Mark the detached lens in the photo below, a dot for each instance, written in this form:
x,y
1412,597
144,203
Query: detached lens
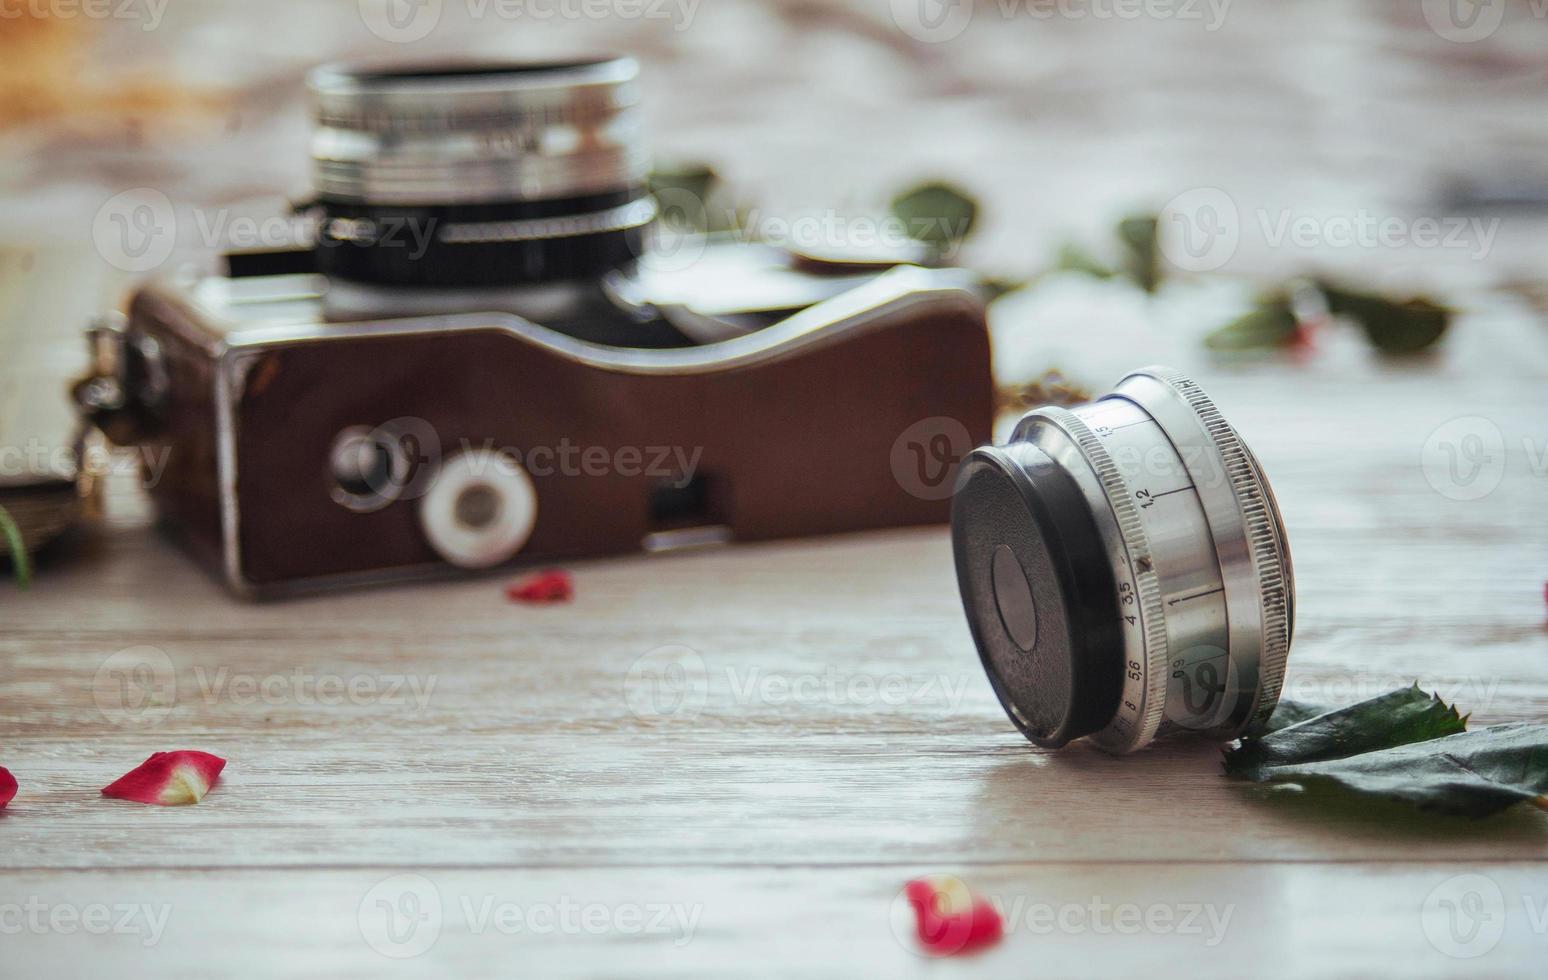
x,y
1125,570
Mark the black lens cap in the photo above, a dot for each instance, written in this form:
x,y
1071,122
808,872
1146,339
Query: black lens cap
x,y
1039,592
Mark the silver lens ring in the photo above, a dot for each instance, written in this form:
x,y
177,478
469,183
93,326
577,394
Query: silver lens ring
x,y
1143,510
461,134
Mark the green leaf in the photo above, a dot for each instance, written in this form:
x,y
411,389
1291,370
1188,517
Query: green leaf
x,y
1395,327
936,213
692,196
1398,718
17,548
1073,258
1407,745
1270,324
1473,774
1292,712
697,179
992,288
1142,260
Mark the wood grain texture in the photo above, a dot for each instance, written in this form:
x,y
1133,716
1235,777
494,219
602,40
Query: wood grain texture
x,y
844,740
434,740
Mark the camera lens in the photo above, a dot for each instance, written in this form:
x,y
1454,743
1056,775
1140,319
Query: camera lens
x,y
479,174
1125,571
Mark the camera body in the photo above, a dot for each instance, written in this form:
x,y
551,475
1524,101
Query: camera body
x,y
800,428
521,388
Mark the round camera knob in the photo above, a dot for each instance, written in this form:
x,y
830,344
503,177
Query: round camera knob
x,y
480,509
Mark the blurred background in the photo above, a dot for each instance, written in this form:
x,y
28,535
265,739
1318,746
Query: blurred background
x,y
1399,146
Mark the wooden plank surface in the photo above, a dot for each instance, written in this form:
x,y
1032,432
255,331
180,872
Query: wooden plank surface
x,y
574,809
843,739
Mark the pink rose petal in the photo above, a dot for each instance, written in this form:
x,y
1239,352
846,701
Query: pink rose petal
x,y
169,778
7,787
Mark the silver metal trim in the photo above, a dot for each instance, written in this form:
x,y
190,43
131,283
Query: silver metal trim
x,y
903,289
635,214
1245,539
460,135
1262,535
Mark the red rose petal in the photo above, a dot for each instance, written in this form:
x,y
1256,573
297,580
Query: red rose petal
x,y
950,920
169,778
554,585
7,787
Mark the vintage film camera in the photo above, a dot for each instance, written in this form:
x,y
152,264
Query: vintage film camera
x,y
470,363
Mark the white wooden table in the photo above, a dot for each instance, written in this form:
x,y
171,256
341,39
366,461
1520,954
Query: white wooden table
x,y
502,756
500,780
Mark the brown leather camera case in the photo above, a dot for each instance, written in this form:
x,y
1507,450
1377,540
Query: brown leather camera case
x,y
834,420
